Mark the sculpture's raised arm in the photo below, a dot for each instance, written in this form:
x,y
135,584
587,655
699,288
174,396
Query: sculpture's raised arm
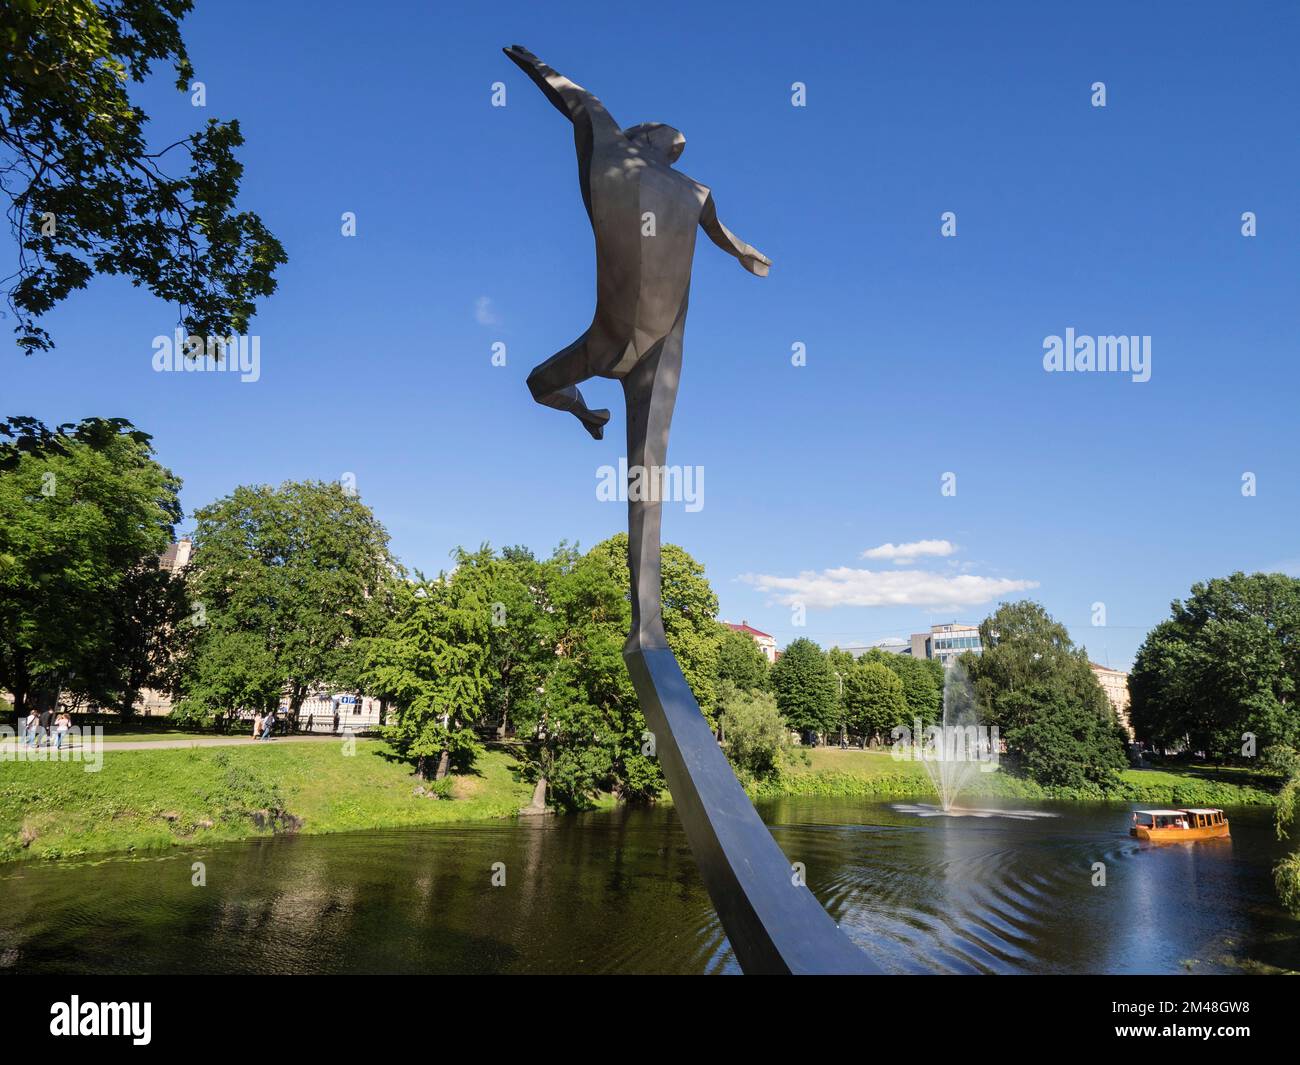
x,y
570,98
750,257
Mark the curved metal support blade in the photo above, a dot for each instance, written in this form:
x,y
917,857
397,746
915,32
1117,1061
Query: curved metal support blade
x,y
773,925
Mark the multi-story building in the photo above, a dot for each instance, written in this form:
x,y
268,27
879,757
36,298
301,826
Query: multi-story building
x,y
946,642
1114,682
152,703
177,555
766,642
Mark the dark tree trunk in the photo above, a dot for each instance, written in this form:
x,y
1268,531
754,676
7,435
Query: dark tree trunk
x,y
443,760
20,689
296,697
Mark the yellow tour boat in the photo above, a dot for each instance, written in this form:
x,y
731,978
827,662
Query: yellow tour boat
x,y
1178,826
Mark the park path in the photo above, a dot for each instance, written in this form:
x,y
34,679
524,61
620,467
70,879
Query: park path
x,y
197,741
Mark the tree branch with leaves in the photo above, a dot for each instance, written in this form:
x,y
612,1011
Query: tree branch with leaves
x,y
87,196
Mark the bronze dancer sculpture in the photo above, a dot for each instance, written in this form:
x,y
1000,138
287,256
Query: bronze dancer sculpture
x,y
644,215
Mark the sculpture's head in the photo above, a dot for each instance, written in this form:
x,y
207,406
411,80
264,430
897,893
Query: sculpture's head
x,y
660,140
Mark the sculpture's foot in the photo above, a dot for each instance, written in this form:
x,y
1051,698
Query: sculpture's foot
x,y
594,422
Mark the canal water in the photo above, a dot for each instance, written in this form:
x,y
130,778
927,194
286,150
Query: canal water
x,y
617,892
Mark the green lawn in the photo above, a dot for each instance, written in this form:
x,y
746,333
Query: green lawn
x,y
831,771
152,800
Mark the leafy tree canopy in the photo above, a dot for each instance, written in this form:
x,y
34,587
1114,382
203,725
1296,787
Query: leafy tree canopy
x,y
592,723
1224,664
755,733
84,512
301,572
1038,688
873,699
922,680
740,661
432,662
806,689
86,193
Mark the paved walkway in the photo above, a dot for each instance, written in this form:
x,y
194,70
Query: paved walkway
x,y
195,741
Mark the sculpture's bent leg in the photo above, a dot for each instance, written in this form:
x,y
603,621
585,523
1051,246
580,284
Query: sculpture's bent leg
x,y
553,384
774,925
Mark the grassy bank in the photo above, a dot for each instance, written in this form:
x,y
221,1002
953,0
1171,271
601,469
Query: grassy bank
x,y
151,800
829,771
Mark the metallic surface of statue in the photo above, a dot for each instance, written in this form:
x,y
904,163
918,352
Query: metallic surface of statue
x,y
645,215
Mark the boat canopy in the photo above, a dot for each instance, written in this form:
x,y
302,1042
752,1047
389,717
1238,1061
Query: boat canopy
x,y
1162,813
1203,810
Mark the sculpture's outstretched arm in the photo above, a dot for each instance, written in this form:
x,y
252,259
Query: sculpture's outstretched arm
x,y
750,257
571,99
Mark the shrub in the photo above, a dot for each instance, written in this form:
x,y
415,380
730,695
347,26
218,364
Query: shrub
x,y
754,734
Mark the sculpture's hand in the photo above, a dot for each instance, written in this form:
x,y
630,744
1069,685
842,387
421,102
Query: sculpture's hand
x,y
755,262
570,98
521,55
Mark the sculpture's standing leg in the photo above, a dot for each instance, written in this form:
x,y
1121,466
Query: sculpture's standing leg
x,y
651,391
554,383
773,922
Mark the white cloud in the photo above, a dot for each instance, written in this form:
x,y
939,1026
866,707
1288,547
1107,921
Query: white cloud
x,y
901,554
846,586
484,312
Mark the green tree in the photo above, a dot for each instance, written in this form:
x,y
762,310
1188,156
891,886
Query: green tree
x,y
806,690
873,699
1286,874
87,193
1226,663
740,661
431,662
756,735
922,680
292,578
516,587
1038,688
1059,744
83,510
590,733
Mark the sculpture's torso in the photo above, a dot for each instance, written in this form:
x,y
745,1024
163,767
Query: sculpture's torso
x,y
644,215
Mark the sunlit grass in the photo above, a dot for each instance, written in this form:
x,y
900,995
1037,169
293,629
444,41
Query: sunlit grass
x,y
152,800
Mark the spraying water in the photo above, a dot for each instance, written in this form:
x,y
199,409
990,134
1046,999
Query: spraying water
x,y
956,746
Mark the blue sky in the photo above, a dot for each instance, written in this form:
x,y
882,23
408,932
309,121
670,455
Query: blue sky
x,y
924,353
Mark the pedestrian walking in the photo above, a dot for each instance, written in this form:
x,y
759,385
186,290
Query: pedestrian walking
x,y
62,726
